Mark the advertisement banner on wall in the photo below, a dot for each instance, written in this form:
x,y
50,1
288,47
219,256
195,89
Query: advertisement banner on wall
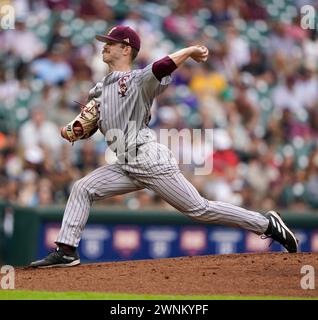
x,y
101,242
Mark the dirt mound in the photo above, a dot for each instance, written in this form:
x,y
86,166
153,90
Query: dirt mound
x,y
235,274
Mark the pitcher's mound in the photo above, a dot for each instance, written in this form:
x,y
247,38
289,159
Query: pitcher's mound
x,y
274,274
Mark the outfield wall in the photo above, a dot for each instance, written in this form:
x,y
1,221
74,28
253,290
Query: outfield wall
x,y
110,235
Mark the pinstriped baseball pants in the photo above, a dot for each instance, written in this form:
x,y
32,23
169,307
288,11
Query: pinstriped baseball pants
x,y
155,168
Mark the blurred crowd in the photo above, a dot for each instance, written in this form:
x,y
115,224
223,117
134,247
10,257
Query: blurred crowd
x,y
258,91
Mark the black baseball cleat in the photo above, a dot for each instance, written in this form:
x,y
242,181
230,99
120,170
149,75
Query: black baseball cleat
x,y
58,258
278,231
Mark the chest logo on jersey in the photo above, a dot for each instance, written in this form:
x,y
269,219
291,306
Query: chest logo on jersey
x,y
122,85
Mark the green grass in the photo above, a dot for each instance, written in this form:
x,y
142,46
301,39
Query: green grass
x,y
42,295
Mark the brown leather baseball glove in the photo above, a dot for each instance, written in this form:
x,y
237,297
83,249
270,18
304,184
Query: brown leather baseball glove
x,y
84,125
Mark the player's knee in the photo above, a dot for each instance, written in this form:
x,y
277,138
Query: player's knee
x,y
198,210
79,186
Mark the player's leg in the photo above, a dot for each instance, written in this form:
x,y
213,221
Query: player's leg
x,y
103,182
181,194
158,170
160,173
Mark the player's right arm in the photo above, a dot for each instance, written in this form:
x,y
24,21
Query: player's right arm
x,y
165,66
155,77
197,53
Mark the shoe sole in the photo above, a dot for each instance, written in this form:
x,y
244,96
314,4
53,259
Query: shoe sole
x,y
277,216
67,265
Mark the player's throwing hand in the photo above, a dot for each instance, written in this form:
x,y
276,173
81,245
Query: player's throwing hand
x,y
200,53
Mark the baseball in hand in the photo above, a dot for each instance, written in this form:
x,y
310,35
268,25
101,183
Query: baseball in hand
x,y
200,53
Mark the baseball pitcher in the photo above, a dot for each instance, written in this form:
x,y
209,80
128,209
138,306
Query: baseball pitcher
x,y
119,105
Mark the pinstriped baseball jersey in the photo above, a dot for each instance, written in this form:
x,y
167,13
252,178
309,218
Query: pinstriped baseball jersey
x,y
126,99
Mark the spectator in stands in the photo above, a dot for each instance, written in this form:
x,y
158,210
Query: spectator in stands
x,y
95,9
219,12
310,49
27,193
52,69
280,41
181,24
45,193
21,42
238,48
285,95
258,63
252,10
38,132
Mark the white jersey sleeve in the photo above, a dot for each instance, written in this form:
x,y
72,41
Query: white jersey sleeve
x,y
96,91
150,85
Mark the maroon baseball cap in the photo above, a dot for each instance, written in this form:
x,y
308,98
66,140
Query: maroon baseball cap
x,y
122,34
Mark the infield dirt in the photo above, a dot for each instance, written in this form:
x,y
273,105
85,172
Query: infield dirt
x,y
274,274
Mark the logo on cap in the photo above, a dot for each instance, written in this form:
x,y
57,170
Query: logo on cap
x,y
111,30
